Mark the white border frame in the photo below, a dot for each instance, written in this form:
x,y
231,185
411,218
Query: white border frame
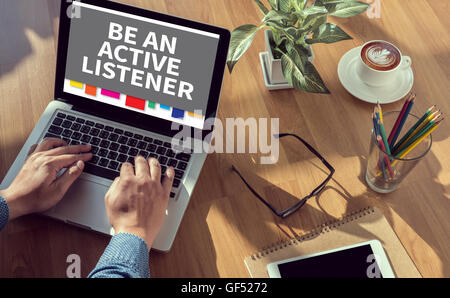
x,y
148,20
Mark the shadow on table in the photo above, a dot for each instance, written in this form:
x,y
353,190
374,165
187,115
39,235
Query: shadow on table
x,y
193,253
255,221
17,18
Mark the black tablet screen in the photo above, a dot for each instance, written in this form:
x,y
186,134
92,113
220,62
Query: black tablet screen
x,y
357,262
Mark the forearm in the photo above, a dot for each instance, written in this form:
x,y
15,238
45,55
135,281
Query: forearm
x,y
4,212
126,256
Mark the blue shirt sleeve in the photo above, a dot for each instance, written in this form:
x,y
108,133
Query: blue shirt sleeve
x,y
126,256
4,213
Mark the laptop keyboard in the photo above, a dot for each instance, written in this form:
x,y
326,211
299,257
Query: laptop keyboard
x,y
113,146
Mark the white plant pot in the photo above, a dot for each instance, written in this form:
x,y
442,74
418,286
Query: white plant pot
x,y
274,69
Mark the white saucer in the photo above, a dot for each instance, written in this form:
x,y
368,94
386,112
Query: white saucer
x,y
384,94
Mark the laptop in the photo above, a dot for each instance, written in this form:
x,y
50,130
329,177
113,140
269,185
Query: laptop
x,y
128,81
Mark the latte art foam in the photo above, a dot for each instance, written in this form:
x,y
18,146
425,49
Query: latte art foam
x,y
380,55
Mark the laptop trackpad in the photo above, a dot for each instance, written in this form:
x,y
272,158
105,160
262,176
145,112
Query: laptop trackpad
x,y
84,205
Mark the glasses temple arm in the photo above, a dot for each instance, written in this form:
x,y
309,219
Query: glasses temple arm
x,y
254,192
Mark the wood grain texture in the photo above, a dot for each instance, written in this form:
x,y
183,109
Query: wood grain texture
x,y
224,223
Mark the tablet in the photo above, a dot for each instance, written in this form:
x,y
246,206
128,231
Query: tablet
x,y
362,260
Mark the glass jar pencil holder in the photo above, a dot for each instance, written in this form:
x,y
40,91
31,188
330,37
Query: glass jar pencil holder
x,y
386,171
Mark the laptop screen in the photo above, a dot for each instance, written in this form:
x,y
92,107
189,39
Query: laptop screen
x,y
141,64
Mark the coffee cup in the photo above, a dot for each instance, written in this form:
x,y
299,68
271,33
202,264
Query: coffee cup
x,y
380,62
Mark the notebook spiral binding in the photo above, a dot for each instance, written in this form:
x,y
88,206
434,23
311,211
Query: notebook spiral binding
x,y
321,229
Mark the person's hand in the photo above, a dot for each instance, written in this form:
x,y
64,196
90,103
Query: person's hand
x,y
136,202
37,187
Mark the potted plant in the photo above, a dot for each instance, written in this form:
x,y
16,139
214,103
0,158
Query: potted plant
x,y
294,25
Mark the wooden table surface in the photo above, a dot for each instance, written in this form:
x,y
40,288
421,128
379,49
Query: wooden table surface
x,y
224,223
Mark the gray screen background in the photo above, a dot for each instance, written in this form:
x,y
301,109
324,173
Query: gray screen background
x,y
196,52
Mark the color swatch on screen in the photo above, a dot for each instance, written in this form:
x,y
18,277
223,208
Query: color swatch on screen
x,y
146,106
136,103
76,84
91,90
110,93
176,113
195,115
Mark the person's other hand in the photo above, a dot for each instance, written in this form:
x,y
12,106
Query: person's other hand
x,y
37,187
136,202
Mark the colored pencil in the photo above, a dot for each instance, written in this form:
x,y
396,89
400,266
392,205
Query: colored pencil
x,y
423,124
386,158
417,129
427,113
383,167
413,145
399,119
402,121
383,134
376,129
380,111
430,125
414,136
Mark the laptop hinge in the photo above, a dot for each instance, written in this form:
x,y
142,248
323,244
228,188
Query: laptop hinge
x,y
78,225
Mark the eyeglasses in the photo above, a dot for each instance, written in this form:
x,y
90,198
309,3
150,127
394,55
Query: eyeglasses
x,y
285,213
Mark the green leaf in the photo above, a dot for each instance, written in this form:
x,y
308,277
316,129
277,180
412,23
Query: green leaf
x,y
277,25
292,71
313,80
328,33
346,9
312,22
241,39
285,5
303,51
323,2
278,16
312,10
300,73
277,37
273,4
280,41
261,6
314,16
295,33
290,30
301,3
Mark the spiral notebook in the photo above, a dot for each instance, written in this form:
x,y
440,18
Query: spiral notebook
x,y
363,225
